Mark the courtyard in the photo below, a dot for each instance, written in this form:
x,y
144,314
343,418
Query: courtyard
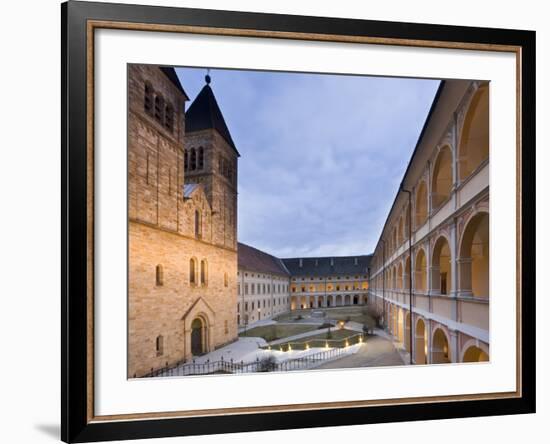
x,y
330,338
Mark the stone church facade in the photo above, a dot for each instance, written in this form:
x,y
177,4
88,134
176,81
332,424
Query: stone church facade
x,y
182,206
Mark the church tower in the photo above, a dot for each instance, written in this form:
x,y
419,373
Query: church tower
x,y
210,158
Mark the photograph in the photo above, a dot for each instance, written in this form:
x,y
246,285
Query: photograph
x,y
285,221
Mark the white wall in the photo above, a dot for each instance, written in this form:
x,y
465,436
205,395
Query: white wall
x,y
29,226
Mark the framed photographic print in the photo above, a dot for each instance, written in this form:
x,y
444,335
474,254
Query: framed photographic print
x,y
275,221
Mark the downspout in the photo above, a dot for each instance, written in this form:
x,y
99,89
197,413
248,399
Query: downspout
x,y
402,188
384,281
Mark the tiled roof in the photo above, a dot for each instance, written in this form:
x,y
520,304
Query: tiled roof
x,y
326,266
252,259
204,113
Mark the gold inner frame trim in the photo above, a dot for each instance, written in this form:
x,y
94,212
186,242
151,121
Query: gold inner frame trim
x,y
92,25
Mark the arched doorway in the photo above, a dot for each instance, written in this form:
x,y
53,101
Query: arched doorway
x,y
421,213
442,177
408,332
474,257
199,333
441,266
400,326
420,343
440,348
475,354
420,271
474,139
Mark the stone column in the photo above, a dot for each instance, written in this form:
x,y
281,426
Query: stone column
x,y
453,352
428,340
435,281
465,276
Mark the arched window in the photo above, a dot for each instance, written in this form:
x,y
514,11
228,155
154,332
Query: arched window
x,y
148,98
193,161
225,280
201,158
159,108
441,266
400,276
169,117
442,177
421,204
198,224
186,160
192,271
474,257
407,222
420,271
159,275
474,139
159,343
204,272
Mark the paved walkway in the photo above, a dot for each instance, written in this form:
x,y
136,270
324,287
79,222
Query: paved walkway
x,y
376,352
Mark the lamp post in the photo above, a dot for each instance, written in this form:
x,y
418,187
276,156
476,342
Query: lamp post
x,y
410,274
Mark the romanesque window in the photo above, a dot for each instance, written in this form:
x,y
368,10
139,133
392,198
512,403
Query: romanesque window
x,y
148,98
225,280
159,108
193,161
204,272
159,345
238,288
201,158
169,117
225,327
159,275
198,224
186,160
192,275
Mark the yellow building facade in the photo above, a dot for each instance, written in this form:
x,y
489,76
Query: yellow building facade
x,y
430,270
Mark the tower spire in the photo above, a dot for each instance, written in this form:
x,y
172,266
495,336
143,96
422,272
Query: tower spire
x,y
207,77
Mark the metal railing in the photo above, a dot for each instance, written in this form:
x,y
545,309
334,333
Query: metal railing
x,y
260,365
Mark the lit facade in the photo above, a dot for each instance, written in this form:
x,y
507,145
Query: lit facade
x,y
434,283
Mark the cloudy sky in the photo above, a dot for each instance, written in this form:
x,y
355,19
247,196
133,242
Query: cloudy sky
x,y
322,156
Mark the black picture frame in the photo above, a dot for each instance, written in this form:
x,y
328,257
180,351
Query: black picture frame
x,y
76,423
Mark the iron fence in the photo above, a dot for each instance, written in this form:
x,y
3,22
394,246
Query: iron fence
x,y
260,365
